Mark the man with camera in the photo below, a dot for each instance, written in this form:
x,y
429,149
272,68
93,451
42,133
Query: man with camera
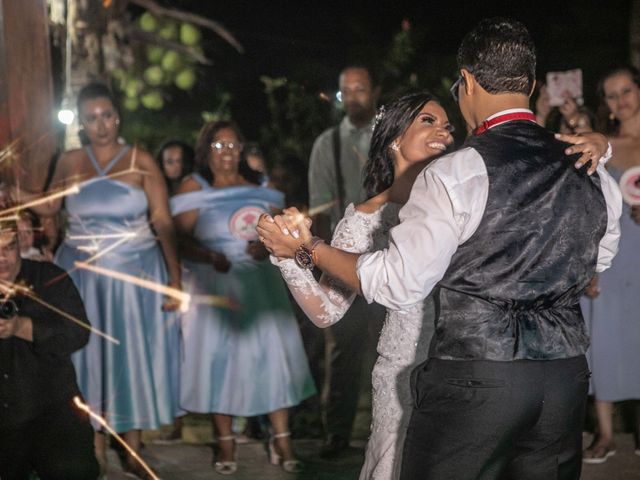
x,y
40,429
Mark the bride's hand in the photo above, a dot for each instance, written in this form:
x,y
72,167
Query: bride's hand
x,y
277,233
592,147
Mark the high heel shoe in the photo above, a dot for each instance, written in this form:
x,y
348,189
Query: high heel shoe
x,y
228,467
289,466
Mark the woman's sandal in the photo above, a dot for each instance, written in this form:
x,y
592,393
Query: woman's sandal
x,y
289,466
597,454
228,467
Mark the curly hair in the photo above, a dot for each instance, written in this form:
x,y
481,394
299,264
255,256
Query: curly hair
x,y
203,150
500,54
397,117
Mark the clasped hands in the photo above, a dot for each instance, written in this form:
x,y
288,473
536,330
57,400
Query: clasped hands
x,y
283,234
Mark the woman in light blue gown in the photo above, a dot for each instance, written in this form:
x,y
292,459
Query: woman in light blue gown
x,y
246,358
119,222
613,317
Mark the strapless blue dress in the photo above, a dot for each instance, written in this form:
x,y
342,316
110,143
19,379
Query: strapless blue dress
x,y
249,360
134,384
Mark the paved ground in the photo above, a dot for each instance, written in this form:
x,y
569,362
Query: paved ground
x,y
192,461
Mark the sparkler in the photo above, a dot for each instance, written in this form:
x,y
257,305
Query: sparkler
x,y
182,297
102,236
300,217
10,218
85,408
321,208
8,151
214,301
62,193
10,289
92,248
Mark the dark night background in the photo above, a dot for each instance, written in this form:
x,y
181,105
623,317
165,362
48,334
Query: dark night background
x,y
309,41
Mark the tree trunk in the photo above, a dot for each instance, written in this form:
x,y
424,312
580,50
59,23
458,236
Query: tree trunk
x,y
86,24
26,94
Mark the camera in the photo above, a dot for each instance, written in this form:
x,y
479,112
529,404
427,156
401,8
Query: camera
x,y
8,309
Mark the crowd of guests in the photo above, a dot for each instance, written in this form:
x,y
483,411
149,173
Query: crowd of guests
x,y
187,219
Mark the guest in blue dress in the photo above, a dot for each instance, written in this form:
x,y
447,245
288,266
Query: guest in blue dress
x,y
613,316
119,222
248,359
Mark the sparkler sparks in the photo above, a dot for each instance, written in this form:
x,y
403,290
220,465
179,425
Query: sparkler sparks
x,y
214,301
321,208
9,289
182,297
300,217
85,408
62,193
9,151
103,236
94,248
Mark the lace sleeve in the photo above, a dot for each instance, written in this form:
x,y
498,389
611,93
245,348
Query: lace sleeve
x,y
325,302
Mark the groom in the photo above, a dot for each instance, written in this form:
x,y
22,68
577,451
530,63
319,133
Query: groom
x,y
500,232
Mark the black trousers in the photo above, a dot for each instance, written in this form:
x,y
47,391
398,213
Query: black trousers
x,y
484,420
347,342
58,445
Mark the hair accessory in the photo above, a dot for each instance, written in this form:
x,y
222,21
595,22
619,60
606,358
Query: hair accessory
x,y
379,116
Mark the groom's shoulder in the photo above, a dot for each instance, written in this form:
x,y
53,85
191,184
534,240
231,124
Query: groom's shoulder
x,y
459,166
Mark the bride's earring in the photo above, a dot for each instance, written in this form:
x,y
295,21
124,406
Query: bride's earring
x,y
395,147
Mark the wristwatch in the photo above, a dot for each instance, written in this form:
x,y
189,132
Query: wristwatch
x,y
305,257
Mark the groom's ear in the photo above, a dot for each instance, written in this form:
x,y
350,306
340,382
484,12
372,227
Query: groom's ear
x,y
470,85
533,87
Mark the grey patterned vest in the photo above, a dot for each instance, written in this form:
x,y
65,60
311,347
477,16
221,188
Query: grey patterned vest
x,y
512,290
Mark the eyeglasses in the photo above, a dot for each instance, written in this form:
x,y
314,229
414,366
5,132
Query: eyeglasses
x,y
454,88
219,146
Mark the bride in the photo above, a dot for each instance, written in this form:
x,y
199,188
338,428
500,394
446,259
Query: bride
x,y
411,132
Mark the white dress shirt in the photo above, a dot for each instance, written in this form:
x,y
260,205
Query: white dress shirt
x,y
445,207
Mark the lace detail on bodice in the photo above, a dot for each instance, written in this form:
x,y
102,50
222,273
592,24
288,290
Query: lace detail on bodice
x,y
326,302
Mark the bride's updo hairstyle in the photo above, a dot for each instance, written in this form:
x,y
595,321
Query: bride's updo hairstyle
x,y
390,123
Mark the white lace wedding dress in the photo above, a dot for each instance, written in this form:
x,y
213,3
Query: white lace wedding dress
x,y
404,340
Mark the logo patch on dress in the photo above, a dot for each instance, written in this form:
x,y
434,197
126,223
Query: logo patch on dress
x,y
243,222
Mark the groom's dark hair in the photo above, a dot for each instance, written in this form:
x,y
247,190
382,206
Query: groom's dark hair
x,y
500,54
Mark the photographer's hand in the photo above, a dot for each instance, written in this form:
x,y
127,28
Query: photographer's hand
x,y
20,327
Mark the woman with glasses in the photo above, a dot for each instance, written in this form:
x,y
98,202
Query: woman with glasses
x,y
243,354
